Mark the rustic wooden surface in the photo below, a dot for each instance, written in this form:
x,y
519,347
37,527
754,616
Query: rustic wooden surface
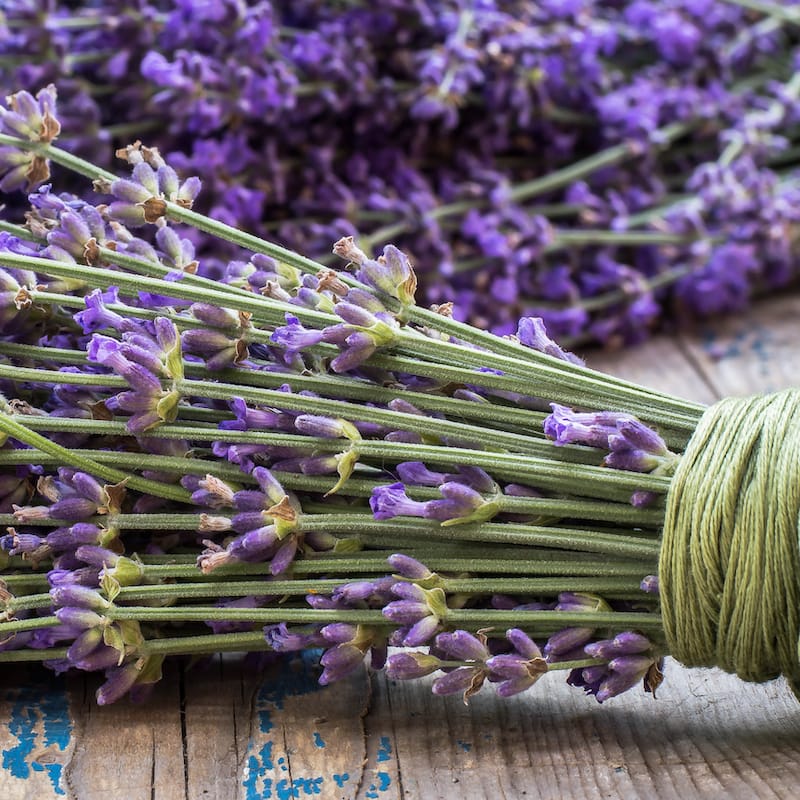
x,y
230,731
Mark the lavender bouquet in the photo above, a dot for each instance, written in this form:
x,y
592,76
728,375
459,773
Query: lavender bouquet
x,y
292,457
606,165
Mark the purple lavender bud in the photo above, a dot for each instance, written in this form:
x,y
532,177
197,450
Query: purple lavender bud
x,y
339,632
406,612
523,644
76,595
355,591
85,644
649,584
339,662
102,657
476,479
422,631
283,640
462,646
629,642
459,680
84,576
392,501
20,543
119,680
464,496
409,591
409,567
625,672
567,640
391,274
407,666
87,486
417,474
79,617
359,347
213,315
631,460
284,556
595,674
635,435
294,338
96,556
326,427
73,509
532,333
355,315
505,666
566,426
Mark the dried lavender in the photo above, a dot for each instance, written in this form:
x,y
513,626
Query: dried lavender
x,y
306,458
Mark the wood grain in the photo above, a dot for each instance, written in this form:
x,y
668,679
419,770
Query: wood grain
x,y
224,730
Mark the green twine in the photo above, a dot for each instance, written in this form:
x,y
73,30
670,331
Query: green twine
x,y
729,569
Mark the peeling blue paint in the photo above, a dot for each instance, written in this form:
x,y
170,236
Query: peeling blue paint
x,y
465,746
384,749
318,740
340,780
39,720
384,781
299,677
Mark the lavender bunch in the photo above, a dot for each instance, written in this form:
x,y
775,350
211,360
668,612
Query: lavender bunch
x,y
608,167
294,457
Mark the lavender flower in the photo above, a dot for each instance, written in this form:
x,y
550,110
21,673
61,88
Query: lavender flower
x,y
32,119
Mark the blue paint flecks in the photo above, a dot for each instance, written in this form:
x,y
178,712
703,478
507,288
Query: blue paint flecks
x,y
384,781
39,720
318,740
340,780
384,749
298,678
465,746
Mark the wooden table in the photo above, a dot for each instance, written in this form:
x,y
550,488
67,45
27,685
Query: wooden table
x,y
228,730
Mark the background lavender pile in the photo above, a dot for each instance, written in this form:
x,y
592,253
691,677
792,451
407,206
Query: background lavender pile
x,y
605,165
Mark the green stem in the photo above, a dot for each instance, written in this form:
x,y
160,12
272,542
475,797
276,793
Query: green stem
x,y
66,456
621,543
575,479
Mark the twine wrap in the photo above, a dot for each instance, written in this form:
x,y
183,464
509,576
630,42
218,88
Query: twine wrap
x,y
729,569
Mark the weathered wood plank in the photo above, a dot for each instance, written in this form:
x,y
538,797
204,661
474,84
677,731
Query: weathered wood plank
x,y
305,739
127,750
758,352
217,716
